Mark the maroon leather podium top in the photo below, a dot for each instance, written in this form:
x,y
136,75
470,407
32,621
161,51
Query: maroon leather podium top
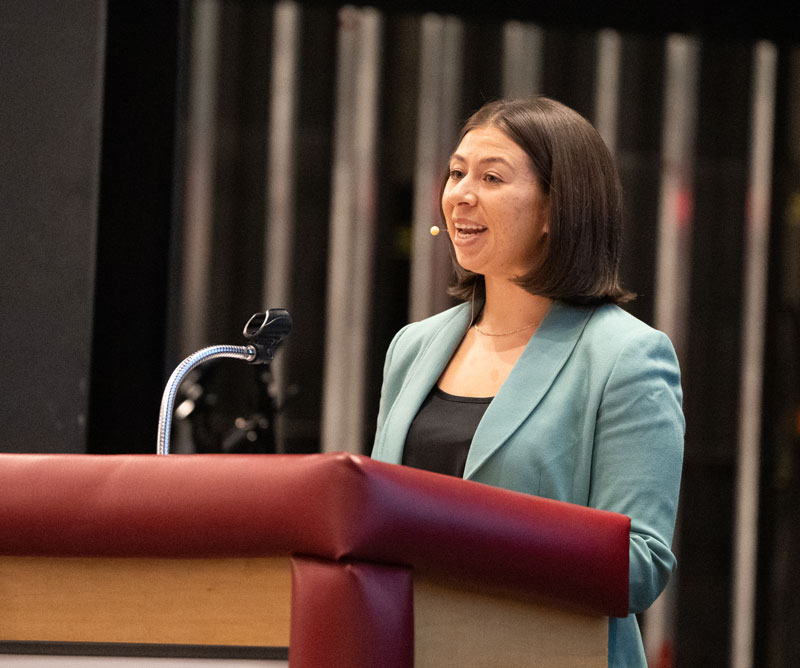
x,y
333,506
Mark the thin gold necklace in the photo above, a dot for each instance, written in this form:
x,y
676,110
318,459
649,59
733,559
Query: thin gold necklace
x,y
513,331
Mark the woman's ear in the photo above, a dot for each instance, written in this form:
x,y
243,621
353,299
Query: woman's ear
x,y
545,216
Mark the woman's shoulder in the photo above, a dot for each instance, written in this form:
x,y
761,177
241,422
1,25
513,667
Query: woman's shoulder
x,y
611,331
416,333
612,321
617,338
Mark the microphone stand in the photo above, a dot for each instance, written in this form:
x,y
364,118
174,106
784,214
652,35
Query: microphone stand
x,y
264,330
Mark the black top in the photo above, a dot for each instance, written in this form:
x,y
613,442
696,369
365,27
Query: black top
x,y
438,439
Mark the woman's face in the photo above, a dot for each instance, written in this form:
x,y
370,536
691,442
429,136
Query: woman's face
x,y
495,210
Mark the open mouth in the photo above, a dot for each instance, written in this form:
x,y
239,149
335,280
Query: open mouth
x,y
466,231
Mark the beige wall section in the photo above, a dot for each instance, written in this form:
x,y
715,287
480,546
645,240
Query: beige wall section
x,y
454,628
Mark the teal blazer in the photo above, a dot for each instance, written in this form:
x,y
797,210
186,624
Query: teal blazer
x,y
590,414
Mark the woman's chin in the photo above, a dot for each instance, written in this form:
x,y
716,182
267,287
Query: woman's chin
x,y
469,262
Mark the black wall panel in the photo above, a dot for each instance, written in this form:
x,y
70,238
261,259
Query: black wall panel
x,y
134,226
51,74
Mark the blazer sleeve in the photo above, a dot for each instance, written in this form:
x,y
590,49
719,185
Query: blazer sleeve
x,y
390,388
638,455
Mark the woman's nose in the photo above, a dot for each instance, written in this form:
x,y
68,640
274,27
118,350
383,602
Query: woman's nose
x,y
462,192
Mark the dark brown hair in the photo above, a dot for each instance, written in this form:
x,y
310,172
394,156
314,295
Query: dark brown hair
x,y
579,260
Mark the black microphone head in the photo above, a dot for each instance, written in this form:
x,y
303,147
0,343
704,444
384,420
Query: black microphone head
x,y
265,331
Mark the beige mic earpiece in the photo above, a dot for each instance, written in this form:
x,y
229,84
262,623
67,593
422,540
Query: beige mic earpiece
x,y
435,230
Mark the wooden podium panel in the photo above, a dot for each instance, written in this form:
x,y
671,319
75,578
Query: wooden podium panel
x,y
247,602
232,601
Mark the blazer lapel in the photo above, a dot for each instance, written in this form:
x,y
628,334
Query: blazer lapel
x,y
419,380
529,380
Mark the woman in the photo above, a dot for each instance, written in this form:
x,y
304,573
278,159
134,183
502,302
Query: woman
x,y
539,382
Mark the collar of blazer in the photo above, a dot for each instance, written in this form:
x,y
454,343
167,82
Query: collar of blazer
x,y
529,380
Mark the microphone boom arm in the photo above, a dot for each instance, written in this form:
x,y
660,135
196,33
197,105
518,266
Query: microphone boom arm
x,y
265,330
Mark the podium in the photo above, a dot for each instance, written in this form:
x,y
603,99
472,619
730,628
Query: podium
x,y
334,560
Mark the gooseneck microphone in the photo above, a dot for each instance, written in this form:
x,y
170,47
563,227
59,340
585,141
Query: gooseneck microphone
x,y
265,331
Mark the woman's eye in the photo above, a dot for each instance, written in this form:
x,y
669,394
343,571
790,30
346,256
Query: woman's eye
x,y
456,174
493,178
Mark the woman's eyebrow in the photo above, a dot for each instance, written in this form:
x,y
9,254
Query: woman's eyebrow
x,y
488,159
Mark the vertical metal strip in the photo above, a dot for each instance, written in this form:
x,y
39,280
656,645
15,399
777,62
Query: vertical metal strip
x,y
674,251
352,229
437,118
201,154
523,44
280,191
607,82
198,223
281,153
675,207
753,325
